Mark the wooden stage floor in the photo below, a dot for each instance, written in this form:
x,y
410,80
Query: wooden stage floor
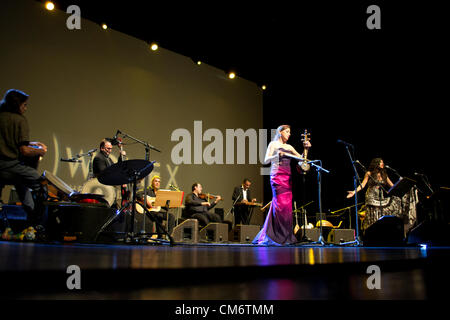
x,y
220,272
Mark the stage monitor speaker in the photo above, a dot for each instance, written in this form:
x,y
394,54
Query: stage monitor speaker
x,y
387,231
432,233
214,232
187,231
243,233
80,222
311,234
337,236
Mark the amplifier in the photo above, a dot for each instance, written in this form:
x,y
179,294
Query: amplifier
x,y
187,231
214,232
337,236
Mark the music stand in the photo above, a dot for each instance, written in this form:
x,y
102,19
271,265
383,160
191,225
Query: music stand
x,y
123,173
401,187
169,199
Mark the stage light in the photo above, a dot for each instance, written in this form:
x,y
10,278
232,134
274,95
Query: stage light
x,y
264,87
104,26
199,62
154,46
49,6
232,75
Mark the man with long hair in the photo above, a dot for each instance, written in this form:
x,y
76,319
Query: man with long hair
x,y
15,148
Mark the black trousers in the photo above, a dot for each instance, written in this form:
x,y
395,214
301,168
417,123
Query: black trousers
x,y
242,214
162,216
27,182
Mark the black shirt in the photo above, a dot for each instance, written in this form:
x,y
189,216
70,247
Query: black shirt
x,y
193,204
14,132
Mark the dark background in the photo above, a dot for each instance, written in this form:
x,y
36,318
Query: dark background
x,y
384,91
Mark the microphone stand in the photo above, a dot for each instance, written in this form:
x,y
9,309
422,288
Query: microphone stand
x,y
232,209
147,158
319,169
356,183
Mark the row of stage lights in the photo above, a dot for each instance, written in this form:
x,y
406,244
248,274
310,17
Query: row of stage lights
x,y
153,46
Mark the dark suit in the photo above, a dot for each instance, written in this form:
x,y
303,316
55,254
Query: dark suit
x,y
195,210
241,212
100,163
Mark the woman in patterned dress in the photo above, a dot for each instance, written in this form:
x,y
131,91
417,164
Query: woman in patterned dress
x,y
377,204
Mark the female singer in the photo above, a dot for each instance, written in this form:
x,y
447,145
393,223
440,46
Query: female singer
x,y
377,205
278,229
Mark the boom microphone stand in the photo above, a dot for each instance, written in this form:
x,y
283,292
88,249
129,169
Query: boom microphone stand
x,y
147,158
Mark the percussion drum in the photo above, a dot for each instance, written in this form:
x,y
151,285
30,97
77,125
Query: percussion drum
x,y
57,188
111,193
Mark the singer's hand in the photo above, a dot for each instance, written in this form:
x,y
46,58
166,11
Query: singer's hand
x,y
350,194
307,144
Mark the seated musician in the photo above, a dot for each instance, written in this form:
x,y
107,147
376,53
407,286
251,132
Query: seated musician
x,y
102,160
197,207
15,146
156,211
241,198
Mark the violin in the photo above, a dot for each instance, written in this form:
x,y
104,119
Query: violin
x,y
207,196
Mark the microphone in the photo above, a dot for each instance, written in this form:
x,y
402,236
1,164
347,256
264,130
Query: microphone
x,y
115,140
357,161
70,160
345,143
395,171
419,174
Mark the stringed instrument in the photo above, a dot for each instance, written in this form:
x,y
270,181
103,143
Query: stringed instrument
x,y
249,203
140,207
297,227
304,166
207,196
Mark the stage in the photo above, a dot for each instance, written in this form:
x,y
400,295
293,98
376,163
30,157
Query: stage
x,y
221,272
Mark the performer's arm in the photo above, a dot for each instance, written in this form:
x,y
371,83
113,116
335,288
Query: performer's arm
x,y
28,151
360,187
389,182
271,153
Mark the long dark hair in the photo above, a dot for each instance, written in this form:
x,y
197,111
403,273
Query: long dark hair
x,y
12,101
374,169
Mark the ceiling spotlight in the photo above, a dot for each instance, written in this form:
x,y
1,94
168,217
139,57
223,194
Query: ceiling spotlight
x,y
104,26
232,75
154,46
49,5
